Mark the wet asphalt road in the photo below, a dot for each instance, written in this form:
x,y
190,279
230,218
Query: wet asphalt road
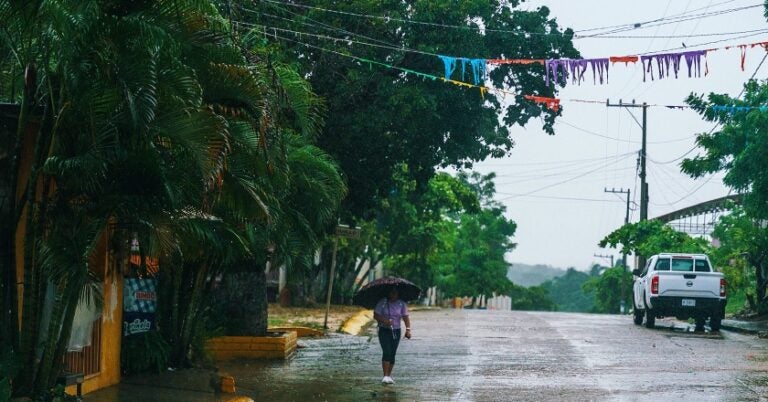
x,y
476,355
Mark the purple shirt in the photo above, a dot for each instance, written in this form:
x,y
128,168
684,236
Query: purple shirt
x,y
395,311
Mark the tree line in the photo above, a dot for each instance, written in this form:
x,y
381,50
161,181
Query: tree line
x,y
188,138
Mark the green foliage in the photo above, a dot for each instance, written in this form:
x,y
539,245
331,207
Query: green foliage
x,y
743,255
609,289
144,352
9,366
567,293
534,298
381,118
156,117
647,238
454,235
737,148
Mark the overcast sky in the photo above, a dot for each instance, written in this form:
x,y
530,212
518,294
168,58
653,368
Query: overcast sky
x,y
566,232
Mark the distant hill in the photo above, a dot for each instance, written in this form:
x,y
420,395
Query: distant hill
x,y
532,275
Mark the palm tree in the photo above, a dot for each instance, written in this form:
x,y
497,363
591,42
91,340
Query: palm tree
x,y
151,115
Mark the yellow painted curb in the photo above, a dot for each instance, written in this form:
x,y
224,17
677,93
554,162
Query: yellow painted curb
x,y
353,325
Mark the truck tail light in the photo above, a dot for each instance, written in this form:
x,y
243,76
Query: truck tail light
x,y
722,287
655,285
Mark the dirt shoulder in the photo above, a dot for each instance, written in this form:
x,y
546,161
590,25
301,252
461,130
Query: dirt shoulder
x,y
310,317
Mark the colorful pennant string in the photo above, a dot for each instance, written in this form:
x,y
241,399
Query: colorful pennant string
x,y
477,66
669,63
551,103
659,65
623,59
732,109
559,69
515,61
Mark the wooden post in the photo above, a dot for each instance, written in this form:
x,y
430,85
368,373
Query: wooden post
x,y
330,281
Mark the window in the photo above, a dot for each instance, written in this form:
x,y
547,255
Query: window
x,y
662,264
682,264
702,266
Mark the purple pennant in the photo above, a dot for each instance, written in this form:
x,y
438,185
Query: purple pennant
x,y
669,63
575,68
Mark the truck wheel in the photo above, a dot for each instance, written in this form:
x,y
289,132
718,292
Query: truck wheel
x,y
650,318
638,316
714,323
700,324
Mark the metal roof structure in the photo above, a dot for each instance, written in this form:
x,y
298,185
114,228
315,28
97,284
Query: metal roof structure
x,y
715,205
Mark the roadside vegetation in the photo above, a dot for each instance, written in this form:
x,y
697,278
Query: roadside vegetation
x,y
199,144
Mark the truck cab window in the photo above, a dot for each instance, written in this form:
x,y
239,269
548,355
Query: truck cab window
x,y
702,266
662,264
682,265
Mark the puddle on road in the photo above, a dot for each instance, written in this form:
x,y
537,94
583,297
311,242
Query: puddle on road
x,y
685,330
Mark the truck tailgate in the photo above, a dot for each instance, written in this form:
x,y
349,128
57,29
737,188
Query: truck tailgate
x,y
689,284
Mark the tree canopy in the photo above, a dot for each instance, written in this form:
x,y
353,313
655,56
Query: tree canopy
x,y
651,237
381,118
738,147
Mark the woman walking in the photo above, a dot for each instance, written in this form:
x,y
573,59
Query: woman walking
x,y
388,313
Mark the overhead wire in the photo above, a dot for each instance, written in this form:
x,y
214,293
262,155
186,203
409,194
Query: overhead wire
x,y
543,177
560,182
655,20
566,198
620,28
565,165
676,20
391,46
584,130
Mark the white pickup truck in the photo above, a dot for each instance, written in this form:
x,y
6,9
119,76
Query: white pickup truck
x,y
679,285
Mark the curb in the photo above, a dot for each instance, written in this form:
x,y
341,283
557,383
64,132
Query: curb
x,y
353,325
739,329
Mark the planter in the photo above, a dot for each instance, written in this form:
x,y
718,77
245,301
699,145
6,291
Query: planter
x,y
277,345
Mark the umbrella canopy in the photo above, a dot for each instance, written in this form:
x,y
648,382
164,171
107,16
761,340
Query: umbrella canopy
x,y
371,293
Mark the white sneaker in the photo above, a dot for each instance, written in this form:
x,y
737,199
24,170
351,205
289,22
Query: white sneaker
x,y
387,380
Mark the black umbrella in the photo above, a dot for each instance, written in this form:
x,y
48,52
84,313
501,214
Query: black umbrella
x,y
371,293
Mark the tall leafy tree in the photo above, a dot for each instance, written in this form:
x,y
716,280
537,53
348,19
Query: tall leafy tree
x,y
156,117
381,118
647,238
743,239
738,147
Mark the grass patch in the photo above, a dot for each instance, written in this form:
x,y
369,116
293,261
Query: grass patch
x,y
736,302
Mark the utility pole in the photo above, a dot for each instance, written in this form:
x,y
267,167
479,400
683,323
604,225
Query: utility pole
x,y
643,154
626,216
341,231
605,256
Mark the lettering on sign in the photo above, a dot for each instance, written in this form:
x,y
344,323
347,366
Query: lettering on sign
x,y
348,232
137,326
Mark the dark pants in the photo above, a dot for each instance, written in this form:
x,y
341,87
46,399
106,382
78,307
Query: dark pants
x,y
389,339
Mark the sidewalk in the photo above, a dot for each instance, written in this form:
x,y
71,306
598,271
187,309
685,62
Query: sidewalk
x,y
759,326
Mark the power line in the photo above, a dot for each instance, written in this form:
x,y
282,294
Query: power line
x,y
620,139
691,35
540,178
657,19
265,29
674,20
486,29
560,182
558,198
551,162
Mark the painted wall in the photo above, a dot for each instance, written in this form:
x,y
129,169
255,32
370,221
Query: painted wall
x,y
111,329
